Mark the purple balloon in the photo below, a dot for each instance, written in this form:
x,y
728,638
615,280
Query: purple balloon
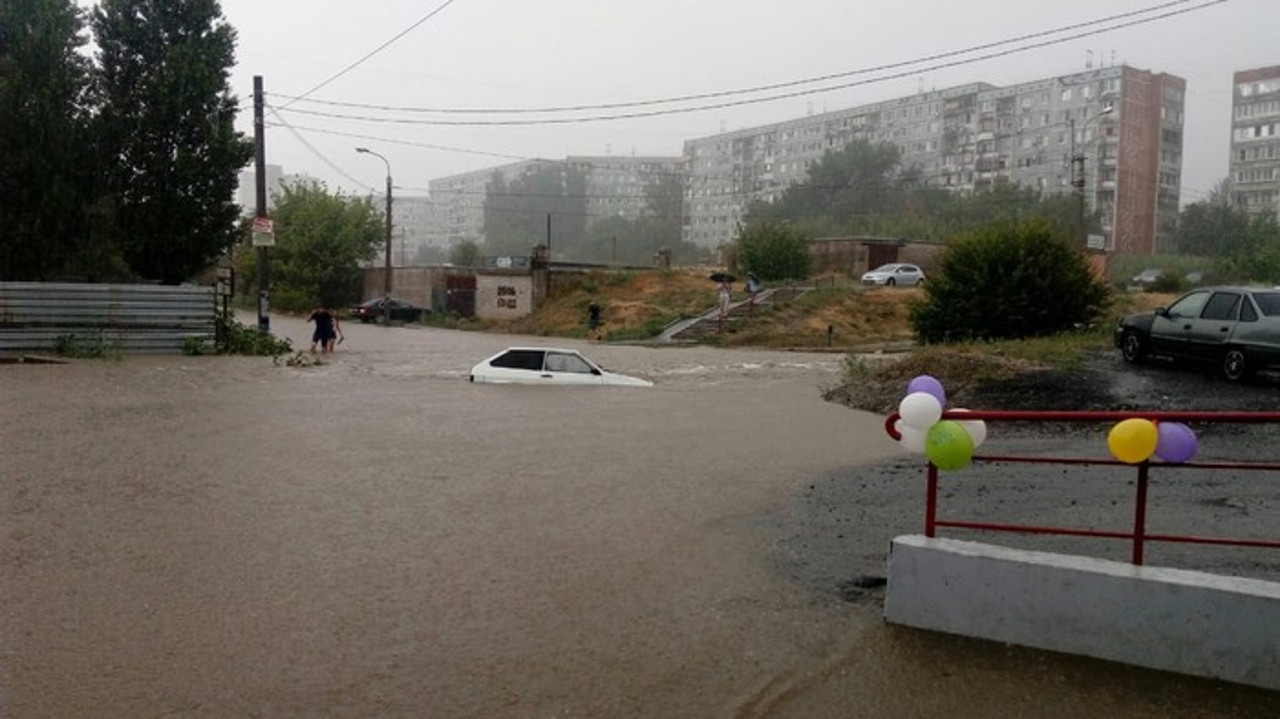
x,y
925,383
1175,442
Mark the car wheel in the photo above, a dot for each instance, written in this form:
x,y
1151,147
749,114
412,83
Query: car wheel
x,y
1235,365
1133,347
889,282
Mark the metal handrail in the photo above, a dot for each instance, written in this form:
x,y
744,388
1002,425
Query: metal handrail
x,y
1139,536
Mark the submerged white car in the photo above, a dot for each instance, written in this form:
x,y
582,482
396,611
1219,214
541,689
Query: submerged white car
x,y
548,365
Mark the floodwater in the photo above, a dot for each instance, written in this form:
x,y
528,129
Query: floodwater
x,y
377,537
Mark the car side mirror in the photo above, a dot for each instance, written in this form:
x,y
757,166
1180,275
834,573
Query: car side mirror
x,y
595,371
1162,312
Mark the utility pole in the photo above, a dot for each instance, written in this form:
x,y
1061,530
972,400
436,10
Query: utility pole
x,y
548,237
260,211
1077,187
386,268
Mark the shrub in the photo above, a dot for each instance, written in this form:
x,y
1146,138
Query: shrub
x,y
235,338
1009,282
774,252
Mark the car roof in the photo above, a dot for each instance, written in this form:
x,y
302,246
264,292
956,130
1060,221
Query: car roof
x,y
540,349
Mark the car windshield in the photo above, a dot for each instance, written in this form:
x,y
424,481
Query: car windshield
x,y
1268,302
885,268
566,362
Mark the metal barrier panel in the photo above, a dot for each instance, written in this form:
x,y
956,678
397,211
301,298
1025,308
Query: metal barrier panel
x,y
130,319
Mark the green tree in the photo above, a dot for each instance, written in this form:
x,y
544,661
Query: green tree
x,y
465,254
1211,227
844,188
773,252
170,152
43,180
515,212
1009,281
321,238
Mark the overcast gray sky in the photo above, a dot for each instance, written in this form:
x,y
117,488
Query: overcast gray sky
x,y
551,53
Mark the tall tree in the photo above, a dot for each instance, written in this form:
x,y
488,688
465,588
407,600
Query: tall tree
x,y
321,237
166,129
42,180
515,212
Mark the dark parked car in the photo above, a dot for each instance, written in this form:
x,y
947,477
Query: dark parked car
x,y
1235,328
372,311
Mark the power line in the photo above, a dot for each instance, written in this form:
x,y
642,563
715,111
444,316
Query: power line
x,y
372,52
751,90
771,98
317,153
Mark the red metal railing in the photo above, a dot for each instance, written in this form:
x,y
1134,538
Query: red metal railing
x,y
1139,536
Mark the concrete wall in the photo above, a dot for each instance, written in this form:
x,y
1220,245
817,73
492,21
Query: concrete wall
x,y
504,296
411,283
1170,619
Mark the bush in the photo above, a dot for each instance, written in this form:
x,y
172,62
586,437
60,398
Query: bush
x,y
1169,282
235,338
1009,282
774,252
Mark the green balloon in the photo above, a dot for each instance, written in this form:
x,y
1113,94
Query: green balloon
x,y
948,446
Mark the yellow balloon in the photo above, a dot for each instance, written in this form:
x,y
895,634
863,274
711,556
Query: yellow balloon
x,y
1133,440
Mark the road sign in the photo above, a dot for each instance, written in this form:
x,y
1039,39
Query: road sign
x,y
264,229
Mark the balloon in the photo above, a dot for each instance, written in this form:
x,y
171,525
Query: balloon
x,y
925,383
948,446
1175,442
976,428
912,439
920,410
1133,440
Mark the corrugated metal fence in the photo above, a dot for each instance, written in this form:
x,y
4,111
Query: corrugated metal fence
x,y
36,316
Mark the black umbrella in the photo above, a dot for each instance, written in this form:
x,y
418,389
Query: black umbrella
x,y
722,277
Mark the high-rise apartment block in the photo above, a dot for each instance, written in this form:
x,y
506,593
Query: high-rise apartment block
x,y
1126,123
1254,176
614,186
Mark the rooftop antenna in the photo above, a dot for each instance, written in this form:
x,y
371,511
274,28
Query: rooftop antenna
x,y
1088,59
919,85
1113,58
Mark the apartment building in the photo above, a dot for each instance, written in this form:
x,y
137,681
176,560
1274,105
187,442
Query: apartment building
x,y
1125,122
1254,176
614,186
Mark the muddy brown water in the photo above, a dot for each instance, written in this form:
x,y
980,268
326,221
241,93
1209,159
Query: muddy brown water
x,y
377,537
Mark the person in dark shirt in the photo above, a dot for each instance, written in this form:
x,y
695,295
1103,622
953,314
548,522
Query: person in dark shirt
x,y
593,321
324,331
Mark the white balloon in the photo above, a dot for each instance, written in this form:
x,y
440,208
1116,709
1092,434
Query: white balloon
x,y
975,428
912,439
920,410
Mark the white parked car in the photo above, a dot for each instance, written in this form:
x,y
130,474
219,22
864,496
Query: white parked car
x,y
548,365
893,274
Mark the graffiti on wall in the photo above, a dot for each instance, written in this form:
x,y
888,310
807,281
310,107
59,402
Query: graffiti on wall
x,y
506,297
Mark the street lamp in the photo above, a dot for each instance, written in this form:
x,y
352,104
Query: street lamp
x,y
386,271
1077,173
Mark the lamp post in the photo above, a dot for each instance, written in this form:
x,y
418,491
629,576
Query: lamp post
x,y
386,270
1077,174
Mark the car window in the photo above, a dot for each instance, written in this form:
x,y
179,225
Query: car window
x,y
1221,306
565,362
1248,313
1189,306
519,359
1268,302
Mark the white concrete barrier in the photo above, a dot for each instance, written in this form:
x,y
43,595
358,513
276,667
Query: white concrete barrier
x,y
1181,621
